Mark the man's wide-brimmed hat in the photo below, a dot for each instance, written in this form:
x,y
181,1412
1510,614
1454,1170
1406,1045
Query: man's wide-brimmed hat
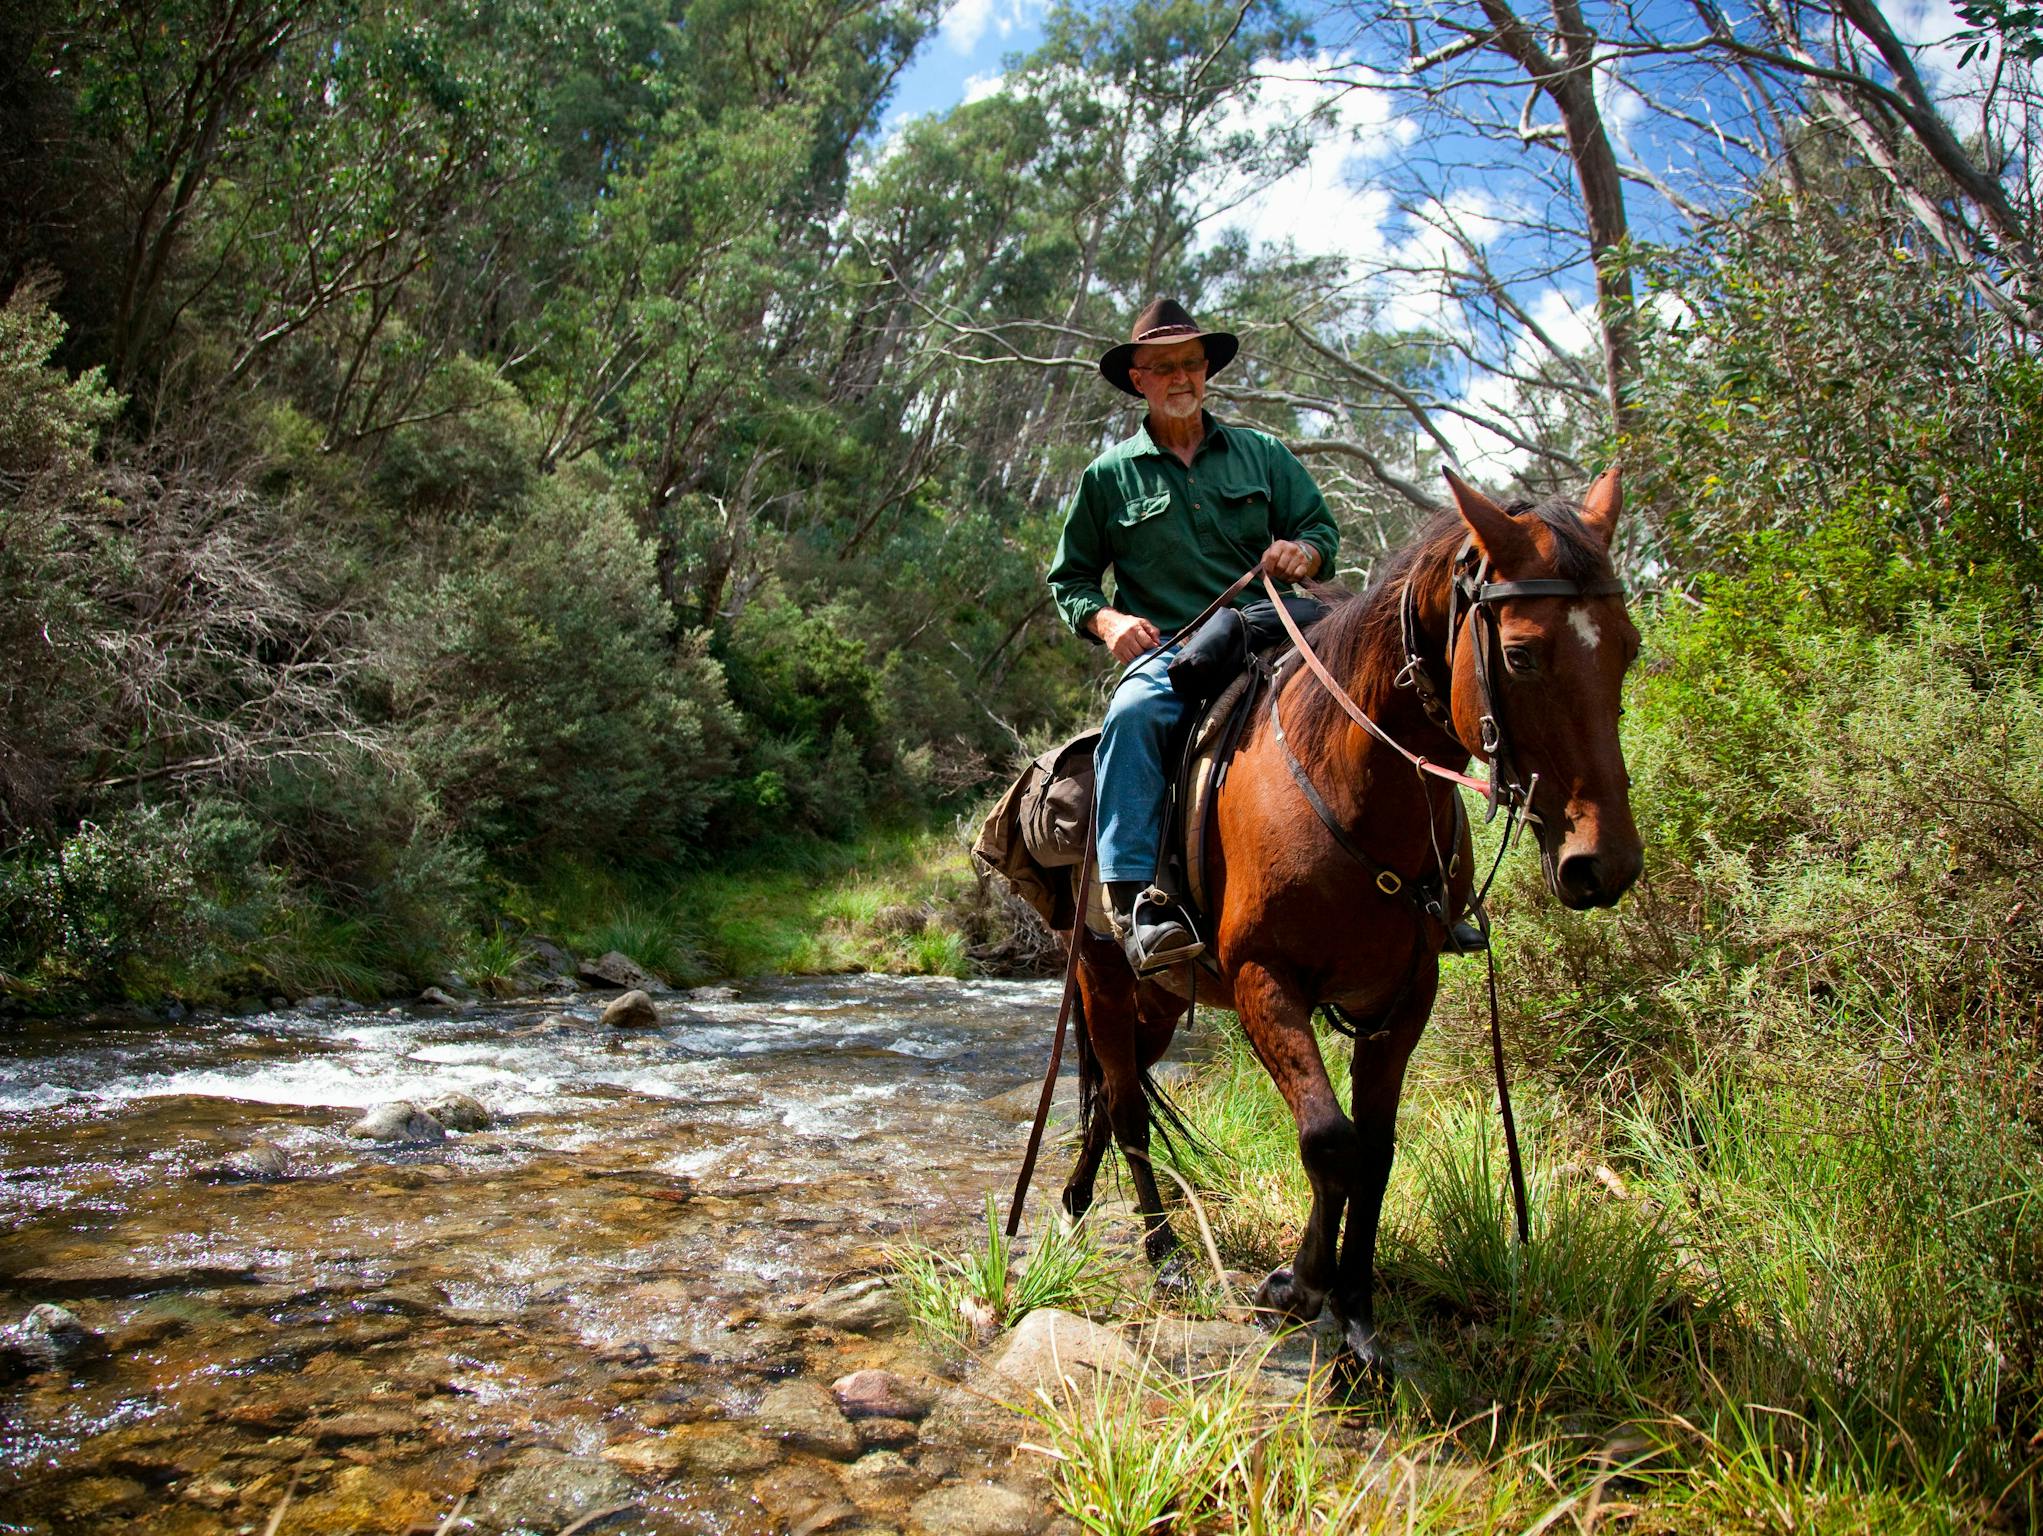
x,y
1163,323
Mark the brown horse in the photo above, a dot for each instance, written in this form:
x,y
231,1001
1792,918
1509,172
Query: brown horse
x,y
1511,615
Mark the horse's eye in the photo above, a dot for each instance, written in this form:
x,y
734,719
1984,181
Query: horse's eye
x,y
1520,659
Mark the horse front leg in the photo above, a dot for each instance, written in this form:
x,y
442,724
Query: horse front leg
x,y
1278,1022
1377,1082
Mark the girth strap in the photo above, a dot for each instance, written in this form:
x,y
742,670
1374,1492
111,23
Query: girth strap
x,y
1424,897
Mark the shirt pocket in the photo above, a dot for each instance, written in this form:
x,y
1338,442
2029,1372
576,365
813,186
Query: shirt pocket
x,y
1140,523
1243,512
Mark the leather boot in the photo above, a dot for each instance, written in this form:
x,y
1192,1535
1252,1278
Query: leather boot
x,y
1150,927
1464,938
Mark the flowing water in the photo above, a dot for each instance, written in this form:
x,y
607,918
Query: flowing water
x,y
583,1305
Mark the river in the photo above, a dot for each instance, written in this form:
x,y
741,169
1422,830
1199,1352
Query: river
x,y
584,1304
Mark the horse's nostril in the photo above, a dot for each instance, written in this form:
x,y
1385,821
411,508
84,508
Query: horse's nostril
x,y
1581,877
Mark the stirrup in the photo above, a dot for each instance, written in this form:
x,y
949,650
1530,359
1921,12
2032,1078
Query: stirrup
x,y
1156,934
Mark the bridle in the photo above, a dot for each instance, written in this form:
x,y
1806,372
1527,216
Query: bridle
x,y
1470,594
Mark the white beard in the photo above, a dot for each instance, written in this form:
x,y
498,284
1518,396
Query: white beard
x,y
1178,407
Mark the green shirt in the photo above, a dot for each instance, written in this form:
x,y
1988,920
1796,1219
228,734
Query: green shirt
x,y
1176,535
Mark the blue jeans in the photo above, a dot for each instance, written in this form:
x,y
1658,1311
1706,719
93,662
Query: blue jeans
x,y
1129,777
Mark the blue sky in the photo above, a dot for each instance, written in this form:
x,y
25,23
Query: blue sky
x,y
974,37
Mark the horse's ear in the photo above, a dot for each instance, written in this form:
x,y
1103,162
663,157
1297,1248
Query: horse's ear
x,y
1497,531
1601,505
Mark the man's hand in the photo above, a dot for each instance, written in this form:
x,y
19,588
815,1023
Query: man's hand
x,y
1124,634
1288,560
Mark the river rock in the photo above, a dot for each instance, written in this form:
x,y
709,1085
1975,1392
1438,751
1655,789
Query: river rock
x,y
874,1394
864,1306
634,1010
399,1121
803,1415
48,1338
548,1493
883,1474
457,1111
975,1509
718,1450
618,970
886,1434
438,997
1051,1345
550,957
363,1424
712,994
258,1162
1020,1103
804,1498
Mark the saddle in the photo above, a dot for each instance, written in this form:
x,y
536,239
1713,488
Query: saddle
x,y
1035,836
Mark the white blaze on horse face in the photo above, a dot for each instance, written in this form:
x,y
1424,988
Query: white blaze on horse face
x,y
1583,623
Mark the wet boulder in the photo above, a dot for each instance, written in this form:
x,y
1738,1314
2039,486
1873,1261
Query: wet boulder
x,y
550,958
402,1121
634,1010
618,970
549,1492
1050,1345
258,1162
875,1394
864,1306
48,1338
457,1111
803,1415
976,1509
439,997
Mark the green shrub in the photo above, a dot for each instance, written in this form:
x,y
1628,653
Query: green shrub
x,y
546,700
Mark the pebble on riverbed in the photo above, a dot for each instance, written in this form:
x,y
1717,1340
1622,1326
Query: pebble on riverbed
x,y
258,1162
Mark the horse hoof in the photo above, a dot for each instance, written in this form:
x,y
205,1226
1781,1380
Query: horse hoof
x,y
1280,1298
1161,1243
1364,1362
1177,1275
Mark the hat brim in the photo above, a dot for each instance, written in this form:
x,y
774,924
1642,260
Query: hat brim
x,y
1220,349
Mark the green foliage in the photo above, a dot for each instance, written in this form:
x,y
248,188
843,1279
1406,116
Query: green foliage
x,y
543,695
956,1298
1807,365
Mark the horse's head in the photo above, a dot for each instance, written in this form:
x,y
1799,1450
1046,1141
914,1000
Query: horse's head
x,y
1555,665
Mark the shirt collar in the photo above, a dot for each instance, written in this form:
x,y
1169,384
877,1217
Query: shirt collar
x,y
1214,438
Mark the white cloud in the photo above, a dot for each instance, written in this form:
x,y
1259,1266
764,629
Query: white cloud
x,y
979,87
1322,207
966,22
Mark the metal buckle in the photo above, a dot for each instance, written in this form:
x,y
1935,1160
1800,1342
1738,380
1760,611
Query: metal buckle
x,y
1388,883
1491,735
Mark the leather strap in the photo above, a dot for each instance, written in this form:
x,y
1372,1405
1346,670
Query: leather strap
x,y
1084,893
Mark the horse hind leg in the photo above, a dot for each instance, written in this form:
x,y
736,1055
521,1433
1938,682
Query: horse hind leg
x,y
1122,1044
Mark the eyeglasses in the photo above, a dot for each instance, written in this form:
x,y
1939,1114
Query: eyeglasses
x,y
1189,368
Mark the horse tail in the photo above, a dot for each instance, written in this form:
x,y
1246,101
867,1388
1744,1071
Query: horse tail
x,y
1089,1076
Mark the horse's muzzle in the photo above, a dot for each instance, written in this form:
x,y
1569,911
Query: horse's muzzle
x,y
1598,878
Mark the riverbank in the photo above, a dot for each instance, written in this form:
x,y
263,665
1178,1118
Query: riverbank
x,y
900,899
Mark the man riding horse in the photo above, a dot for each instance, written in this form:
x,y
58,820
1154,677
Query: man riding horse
x,y
1178,511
